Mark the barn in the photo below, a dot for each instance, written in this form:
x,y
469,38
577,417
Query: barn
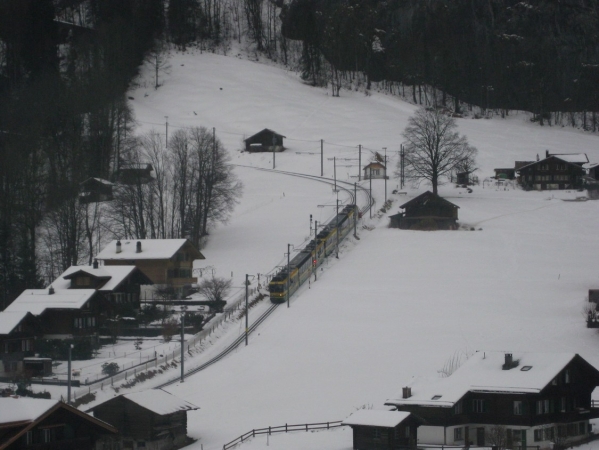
x,y
428,211
265,141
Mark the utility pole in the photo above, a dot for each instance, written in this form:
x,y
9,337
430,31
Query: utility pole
x,y
355,209
335,172
385,148
166,117
182,344
360,162
402,155
69,376
274,141
337,226
322,157
288,272
311,226
315,237
246,308
371,194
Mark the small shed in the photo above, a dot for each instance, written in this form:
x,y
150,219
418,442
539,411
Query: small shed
x,y
428,211
505,173
382,430
37,367
134,173
375,170
265,141
152,419
95,190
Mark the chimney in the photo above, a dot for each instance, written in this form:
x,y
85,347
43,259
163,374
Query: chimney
x,y
406,392
95,263
51,290
509,362
118,247
546,153
138,247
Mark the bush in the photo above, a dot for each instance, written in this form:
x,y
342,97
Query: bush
x,y
110,369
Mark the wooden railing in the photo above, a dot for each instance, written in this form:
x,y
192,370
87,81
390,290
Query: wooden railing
x,y
282,429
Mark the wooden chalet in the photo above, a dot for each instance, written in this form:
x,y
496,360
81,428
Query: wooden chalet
x,y
95,190
265,141
375,170
118,286
42,424
163,261
536,399
428,211
383,430
134,173
505,173
18,330
62,313
148,419
555,171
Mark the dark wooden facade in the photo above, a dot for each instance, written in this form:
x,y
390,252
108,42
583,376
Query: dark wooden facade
x,y
428,211
137,424
403,436
265,141
551,173
134,174
60,427
176,271
18,344
94,190
508,173
564,408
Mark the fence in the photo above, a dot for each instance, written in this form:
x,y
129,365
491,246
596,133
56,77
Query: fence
x,y
282,429
234,307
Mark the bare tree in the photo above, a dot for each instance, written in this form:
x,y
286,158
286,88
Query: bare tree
x,y
433,148
497,436
158,59
215,289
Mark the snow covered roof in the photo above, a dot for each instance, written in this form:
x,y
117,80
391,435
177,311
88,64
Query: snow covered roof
x,y
36,301
23,409
114,274
376,418
483,372
160,402
374,164
150,249
575,158
9,320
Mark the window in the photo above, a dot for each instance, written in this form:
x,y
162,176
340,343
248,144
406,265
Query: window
x,y
46,435
407,432
563,404
436,397
582,429
518,408
458,434
567,376
479,406
543,407
29,437
458,408
82,281
538,435
376,433
544,167
549,433
560,167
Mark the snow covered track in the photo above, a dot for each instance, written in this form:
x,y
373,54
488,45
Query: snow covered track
x,y
227,350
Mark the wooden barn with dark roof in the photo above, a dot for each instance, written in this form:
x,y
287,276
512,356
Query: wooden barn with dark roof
x,y
265,141
428,211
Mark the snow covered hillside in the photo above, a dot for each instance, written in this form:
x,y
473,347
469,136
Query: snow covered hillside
x,y
398,303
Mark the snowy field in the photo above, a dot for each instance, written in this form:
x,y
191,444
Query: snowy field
x,y
397,304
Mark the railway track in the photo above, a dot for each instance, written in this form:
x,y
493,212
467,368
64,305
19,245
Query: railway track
x,y
343,185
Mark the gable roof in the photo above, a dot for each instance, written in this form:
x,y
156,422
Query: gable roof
x,y
115,275
265,130
9,320
575,158
150,249
423,198
483,372
36,301
374,164
376,418
559,157
158,401
27,412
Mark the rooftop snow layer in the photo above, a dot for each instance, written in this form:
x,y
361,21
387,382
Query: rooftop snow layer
x,y
36,301
376,418
160,402
22,409
483,373
116,275
10,319
150,249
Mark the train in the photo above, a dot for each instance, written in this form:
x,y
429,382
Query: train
x,y
288,280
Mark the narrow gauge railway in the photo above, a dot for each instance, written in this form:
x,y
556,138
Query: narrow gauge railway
x,y
284,284
314,244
